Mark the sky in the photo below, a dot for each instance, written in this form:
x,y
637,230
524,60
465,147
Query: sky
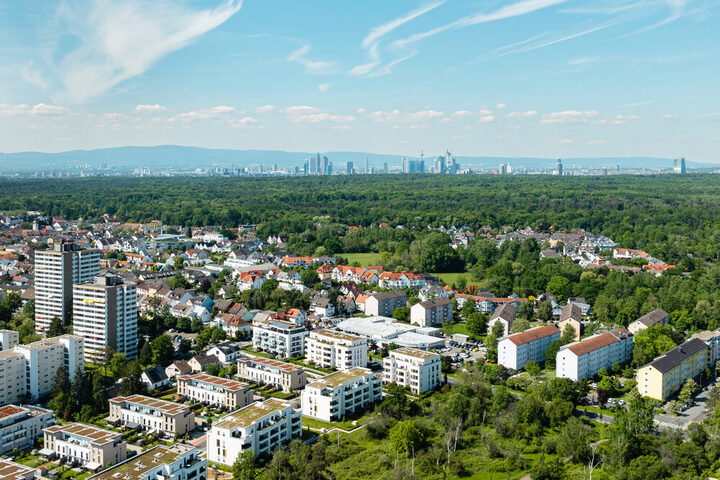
x,y
541,78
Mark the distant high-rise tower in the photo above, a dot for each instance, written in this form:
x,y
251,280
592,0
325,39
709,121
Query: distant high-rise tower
x,y
558,167
324,166
405,166
349,168
367,165
385,167
503,169
680,165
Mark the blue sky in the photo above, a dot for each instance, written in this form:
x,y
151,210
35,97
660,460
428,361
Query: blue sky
x,y
547,78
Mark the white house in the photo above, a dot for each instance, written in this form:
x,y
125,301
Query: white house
x,y
580,360
417,369
282,338
226,352
656,317
514,351
505,314
334,349
341,393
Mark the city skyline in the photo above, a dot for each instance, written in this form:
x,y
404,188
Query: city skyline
x,y
547,78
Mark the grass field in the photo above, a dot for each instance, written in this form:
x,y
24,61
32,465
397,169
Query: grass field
x,y
455,328
363,259
454,278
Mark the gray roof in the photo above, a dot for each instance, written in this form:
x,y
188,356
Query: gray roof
x,y
677,355
156,374
388,295
505,311
653,318
435,302
571,311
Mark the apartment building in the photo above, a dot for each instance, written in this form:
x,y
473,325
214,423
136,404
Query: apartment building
x,y
417,369
44,357
383,303
332,397
432,312
105,313
282,338
14,471
90,447
514,351
712,340
504,314
666,374
260,428
169,418
13,377
266,371
56,271
216,391
334,349
571,316
656,317
584,359
176,462
8,339
21,426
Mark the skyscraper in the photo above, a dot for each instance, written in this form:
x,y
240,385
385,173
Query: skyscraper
x,y
367,166
558,167
405,166
324,166
105,313
385,167
56,271
349,168
680,165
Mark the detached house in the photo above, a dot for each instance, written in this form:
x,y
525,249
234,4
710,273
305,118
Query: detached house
x,y
656,317
504,315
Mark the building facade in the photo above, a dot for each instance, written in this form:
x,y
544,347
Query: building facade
x,y
416,369
13,381
8,339
216,391
266,371
334,349
383,303
56,271
332,397
666,374
282,338
105,313
580,360
176,462
88,446
21,426
44,357
260,428
432,312
151,414
514,351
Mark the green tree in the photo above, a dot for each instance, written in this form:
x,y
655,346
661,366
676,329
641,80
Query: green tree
x,y
568,335
689,389
560,287
476,325
146,354
401,314
551,353
243,467
118,365
212,369
185,346
80,391
132,382
651,343
526,311
395,401
56,328
163,350
468,307
61,382
532,368
573,440
545,311
309,277
558,411
547,469
405,436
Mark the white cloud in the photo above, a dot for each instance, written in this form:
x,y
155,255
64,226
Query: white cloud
x,y
426,115
38,109
486,119
564,141
569,116
265,109
301,110
462,114
670,116
636,104
341,127
526,114
311,66
114,116
245,122
203,114
581,61
597,142
323,87
121,40
500,106
150,108
323,117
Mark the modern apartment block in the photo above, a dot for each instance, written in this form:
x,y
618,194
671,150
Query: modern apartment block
x,y
105,313
383,303
21,426
260,428
667,373
332,397
334,349
266,371
56,271
14,471
44,357
216,391
580,360
176,462
87,446
417,369
8,339
282,338
13,377
514,351
432,312
172,419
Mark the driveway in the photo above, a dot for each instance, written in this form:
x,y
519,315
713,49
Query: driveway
x,y
696,413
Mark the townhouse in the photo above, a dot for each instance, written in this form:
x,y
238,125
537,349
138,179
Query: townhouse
x,y
584,359
266,371
175,462
416,369
383,303
432,312
514,351
334,349
401,280
216,391
21,426
332,397
666,374
152,414
85,445
259,428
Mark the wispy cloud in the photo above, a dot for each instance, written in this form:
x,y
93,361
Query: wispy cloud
x,y
150,108
219,111
311,66
323,87
526,114
265,109
41,109
569,116
636,104
121,40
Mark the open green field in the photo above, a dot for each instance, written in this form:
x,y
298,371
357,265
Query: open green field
x,y
363,259
454,278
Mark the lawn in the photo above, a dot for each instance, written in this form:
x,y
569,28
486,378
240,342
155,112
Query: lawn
x,y
346,424
363,259
455,328
454,278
